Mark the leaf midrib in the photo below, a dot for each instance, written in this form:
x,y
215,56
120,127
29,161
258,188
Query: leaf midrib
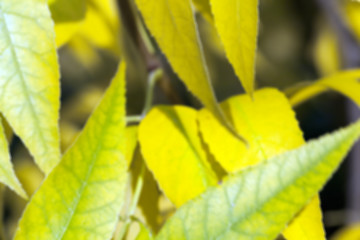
x,y
22,78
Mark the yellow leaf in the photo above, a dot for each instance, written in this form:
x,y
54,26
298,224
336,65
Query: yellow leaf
x,y
172,24
346,83
7,174
269,125
326,53
175,154
349,233
352,10
29,77
131,133
237,25
203,6
82,197
308,224
67,15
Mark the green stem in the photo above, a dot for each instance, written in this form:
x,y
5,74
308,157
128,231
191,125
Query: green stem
x,y
133,119
154,76
134,203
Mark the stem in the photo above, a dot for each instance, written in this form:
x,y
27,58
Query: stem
x,y
133,119
154,76
134,203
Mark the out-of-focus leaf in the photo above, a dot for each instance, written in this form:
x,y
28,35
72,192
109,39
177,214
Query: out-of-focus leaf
x,y
267,122
269,125
29,77
326,53
237,24
172,24
82,197
346,83
258,202
131,133
348,233
175,154
67,15
308,223
7,175
203,6
352,9
144,233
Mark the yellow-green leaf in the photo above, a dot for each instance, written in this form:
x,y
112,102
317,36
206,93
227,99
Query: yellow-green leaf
x,y
346,83
175,154
237,25
258,202
29,77
269,125
172,24
7,174
82,197
267,122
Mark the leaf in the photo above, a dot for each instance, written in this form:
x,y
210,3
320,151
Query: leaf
x,y
172,24
131,134
308,224
203,6
144,233
174,154
237,25
351,232
345,82
68,16
29,77
82,197
267,122
7,174
258,202
269,125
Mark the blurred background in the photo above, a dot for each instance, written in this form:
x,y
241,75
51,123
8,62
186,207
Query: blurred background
x,y
298,41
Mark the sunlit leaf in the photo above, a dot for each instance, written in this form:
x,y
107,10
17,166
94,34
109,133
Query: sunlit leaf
x,y
29,77
144,233
308,223
81,198
257,202
352,9
172,24
175,154
267,122
237,24
346,83
7,175
269,125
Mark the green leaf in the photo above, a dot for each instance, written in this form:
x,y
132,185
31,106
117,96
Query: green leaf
x,y
82,197
267,137
29,77
7,174
346,83
175,154
172,24
237,25
258,202
131,134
